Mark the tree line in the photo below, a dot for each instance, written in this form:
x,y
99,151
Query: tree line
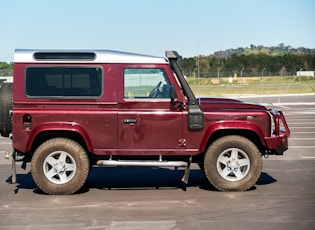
x,y
251,62
4,65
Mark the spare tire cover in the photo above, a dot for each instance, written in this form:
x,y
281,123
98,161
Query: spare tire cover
x,y
5,107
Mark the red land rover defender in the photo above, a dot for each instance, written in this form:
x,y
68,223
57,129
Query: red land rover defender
x,y
75,109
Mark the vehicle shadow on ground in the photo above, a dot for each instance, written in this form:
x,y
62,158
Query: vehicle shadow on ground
x,y
136,178
125,178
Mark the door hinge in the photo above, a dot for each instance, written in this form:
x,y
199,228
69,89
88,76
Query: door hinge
x,y
182,142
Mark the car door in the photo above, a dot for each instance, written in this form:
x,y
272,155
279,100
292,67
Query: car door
x,y
148,122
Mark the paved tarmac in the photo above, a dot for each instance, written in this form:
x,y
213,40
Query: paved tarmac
x,y
154,198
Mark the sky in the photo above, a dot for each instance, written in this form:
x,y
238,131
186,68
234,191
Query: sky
x,y
192,28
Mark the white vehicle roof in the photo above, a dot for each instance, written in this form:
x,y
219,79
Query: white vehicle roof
x,y
83,56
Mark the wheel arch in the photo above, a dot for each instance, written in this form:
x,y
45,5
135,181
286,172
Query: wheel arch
x,y
252,132
44,133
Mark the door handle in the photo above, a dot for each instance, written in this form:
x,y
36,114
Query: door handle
x,y
130,121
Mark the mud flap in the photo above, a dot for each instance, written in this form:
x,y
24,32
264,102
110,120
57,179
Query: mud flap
x,y
187,171
15,158
13,179
7,156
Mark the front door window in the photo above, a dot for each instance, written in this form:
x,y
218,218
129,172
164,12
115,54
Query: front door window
x,y
146,83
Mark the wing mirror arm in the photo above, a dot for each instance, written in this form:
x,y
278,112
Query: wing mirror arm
x,y
174,103
173,94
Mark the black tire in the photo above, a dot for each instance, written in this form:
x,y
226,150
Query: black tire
x,y
201,165
233,163
5,107
60,166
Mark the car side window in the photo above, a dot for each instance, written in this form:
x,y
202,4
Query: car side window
x,y
63,82
146,83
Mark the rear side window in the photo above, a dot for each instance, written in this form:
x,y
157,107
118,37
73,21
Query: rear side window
x,y
63,82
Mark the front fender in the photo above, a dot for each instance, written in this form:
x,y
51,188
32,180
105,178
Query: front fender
x,y
235,126
60,126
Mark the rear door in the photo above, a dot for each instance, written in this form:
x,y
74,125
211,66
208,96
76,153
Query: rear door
x,y
148,122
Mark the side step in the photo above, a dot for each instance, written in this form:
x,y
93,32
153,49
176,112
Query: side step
x,y
159,163
142,163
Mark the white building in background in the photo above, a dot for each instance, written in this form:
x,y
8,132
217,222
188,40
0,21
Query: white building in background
x,y
305,73
6,79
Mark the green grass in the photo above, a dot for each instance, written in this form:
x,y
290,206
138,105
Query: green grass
x,y
252,85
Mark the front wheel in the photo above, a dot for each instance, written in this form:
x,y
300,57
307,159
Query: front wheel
x,y
60,166
233,163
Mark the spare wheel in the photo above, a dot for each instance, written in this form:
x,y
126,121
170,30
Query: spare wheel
x,y
5,107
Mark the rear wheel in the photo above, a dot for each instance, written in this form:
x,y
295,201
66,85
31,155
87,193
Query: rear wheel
x,y
233,163
60,166
5,107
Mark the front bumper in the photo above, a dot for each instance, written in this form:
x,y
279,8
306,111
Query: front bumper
x,y
277,145
278,142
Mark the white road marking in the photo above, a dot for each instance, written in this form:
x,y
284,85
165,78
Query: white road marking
x,y
168,224
301,147
304,132
301,127
302,123
311,157
281,106
293,103
301,112
301,138
9,143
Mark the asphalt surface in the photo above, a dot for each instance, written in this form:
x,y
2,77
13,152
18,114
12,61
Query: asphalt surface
x,y
154,198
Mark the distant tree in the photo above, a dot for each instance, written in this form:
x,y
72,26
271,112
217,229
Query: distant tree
x,y
215,63
313,63
187,63
204,65
281,46
4,65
